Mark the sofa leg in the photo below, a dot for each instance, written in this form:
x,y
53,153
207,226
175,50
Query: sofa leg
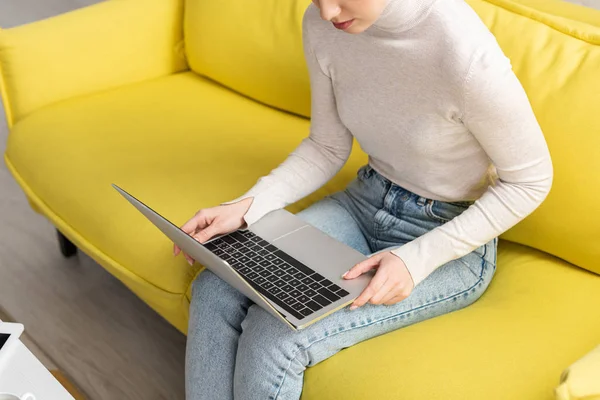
x,y
67,248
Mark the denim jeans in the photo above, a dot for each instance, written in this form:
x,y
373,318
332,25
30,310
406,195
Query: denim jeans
x,y
236,350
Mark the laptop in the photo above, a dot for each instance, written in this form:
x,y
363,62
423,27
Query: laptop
x,y
285,265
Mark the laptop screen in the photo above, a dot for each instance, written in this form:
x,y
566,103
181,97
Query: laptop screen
x,y
3,338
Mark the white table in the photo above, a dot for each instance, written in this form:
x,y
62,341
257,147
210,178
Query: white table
x,y
23,373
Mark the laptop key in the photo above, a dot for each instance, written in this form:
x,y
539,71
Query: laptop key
x,y
260,280
263,243
245,270
328,294
252,275
326,282
294,282
257,258
244,259
315,286
333,287
263,252
264,273
271,248
306,311
274,290
302,287
227,239
307,281
264,263
297,306
267,285
292,261
271,278
289,300
218,252
279,272
277,261
257,269
287,278
282,295
287,267
310,293
342,293
251,264
287,288
295,293
272,268
302,298
270,257
314,305
239,237
317,277
299,275
321,300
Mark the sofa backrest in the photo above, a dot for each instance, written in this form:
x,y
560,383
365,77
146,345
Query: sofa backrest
x,y
251,46
255,48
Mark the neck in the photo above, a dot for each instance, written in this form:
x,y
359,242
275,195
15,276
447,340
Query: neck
x,y
401,15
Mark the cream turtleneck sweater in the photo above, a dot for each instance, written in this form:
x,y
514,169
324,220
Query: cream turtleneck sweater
x,y
433,101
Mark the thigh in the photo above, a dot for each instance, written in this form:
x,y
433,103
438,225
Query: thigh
x,y
330,216
449,288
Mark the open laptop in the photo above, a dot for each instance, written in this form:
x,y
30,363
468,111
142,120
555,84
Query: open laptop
x,y
285,265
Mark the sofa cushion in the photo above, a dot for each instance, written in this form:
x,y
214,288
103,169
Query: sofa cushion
x,y
178,143
535,319
253,47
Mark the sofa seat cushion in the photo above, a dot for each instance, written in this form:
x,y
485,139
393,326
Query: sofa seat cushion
x,y
178,143
538,316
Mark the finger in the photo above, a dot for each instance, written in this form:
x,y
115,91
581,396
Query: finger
x,y
394,300
191,226
176,250
373,287
362,267
189,259
388,288
390,295
206,233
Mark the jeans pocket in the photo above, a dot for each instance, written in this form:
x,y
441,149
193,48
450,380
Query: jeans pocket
x,y
442,211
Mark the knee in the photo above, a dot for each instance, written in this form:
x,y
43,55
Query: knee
x,y
265,338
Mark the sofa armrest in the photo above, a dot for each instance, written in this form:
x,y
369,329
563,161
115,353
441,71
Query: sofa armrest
x,y
100,47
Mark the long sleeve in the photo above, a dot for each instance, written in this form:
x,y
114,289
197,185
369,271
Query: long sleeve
x,y
318,157
497,112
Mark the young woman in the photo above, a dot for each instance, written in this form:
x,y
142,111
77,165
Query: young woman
x,y
456,157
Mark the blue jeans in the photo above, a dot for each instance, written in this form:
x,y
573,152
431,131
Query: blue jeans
x,y
236,350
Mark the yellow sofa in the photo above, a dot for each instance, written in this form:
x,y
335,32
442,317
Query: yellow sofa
x,y
186,104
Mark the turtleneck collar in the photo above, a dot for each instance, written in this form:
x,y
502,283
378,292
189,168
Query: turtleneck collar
x,y
400,15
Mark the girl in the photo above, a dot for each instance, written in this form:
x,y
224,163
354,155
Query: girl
x,y
456,157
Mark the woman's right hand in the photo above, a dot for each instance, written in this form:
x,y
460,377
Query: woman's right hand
x,y
210,222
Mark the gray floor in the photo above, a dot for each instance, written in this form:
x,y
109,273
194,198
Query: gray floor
x,y
77,316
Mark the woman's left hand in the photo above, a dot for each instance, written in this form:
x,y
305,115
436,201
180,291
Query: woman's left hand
x,y
391,284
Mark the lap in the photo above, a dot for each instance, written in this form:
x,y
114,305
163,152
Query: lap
x,y
449,288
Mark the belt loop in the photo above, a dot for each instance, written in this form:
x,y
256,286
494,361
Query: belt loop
x,y
421,201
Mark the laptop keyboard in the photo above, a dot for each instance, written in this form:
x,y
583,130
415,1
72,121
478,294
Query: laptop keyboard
x,y
275,274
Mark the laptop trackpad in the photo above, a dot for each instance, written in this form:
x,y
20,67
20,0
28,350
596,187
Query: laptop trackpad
x,y
320,251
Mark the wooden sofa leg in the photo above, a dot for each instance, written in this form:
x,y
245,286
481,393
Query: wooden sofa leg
x,y
67,248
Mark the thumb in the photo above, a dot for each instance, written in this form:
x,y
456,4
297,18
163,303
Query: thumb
x,y
206,233
362,267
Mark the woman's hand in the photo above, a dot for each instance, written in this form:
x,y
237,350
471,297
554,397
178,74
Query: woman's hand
x,y
214,221
391,284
